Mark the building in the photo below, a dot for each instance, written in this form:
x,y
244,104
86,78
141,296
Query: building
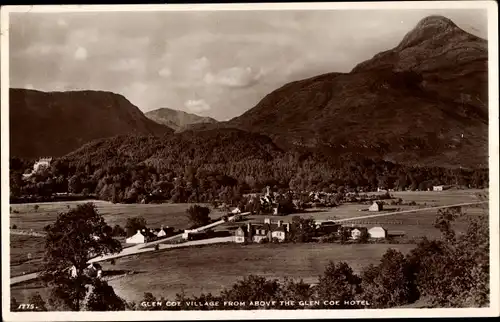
x,y
356,232
255,233
327,227
40,165
377,232
236,211
440,188
92,270
376,206
140,237
164,231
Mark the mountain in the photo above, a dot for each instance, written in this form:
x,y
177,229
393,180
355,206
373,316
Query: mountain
x,y
177,120
55,123
423,102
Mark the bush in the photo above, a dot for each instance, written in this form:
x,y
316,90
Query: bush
x,y
264,241
157,247
14,226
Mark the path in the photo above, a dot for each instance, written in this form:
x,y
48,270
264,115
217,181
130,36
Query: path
x,y
409,211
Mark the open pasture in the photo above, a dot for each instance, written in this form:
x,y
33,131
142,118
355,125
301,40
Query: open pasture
x,y
26,254
167,214
212,268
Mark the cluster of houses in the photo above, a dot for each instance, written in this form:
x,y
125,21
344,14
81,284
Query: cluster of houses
x,y
255,233
148,234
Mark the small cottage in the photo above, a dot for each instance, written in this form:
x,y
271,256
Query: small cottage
x,y
377,232
376,206
356,232
140,237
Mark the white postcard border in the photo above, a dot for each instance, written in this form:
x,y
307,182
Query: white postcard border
x,y
493,310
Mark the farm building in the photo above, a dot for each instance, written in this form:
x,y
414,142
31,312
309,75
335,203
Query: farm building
x,y
140,237
257,232
440,188
376,206
164,231
377,232
357,231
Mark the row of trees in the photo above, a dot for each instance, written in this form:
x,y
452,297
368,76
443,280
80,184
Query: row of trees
x,y
136,169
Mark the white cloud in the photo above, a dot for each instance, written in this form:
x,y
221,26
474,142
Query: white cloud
x,y
197,106
81,53
127,64
200,65
234,77
165,72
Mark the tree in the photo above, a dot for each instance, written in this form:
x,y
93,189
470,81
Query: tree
x,y
391,283
363,237
134,224
338,282
302,229
76,236
38,302
252,288
198,215
102,297
118,231
291,290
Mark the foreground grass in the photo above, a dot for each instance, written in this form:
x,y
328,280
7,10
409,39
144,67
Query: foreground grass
x,y
211,268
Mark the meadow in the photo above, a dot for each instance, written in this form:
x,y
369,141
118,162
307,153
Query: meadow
x,y
174,215
26,253
211,268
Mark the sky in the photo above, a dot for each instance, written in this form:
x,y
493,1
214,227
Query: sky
x,y
211,63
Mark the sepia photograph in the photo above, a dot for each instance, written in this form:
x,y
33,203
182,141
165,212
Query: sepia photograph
x,y
249,161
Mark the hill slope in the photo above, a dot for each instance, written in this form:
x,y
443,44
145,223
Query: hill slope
x,y
177,120
55,123
420,103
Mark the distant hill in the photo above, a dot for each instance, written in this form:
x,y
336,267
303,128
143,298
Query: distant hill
x,y
423,102
55,123
177,120
202,147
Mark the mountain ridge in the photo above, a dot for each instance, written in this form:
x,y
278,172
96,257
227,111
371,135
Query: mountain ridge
x,y
421,102
56,123
176,119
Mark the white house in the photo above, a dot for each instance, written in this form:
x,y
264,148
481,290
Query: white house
x,y
163,231
376,206
437,188
236,211
138,238
377,232
356,232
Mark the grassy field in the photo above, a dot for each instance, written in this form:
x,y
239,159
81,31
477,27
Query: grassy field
x,y
20,247
211,268
173,215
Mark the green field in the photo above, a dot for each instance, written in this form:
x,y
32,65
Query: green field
x,y
211,268
173,215
20,247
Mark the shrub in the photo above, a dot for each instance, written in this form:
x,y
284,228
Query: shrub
x,y
264,241
14,226
157,247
